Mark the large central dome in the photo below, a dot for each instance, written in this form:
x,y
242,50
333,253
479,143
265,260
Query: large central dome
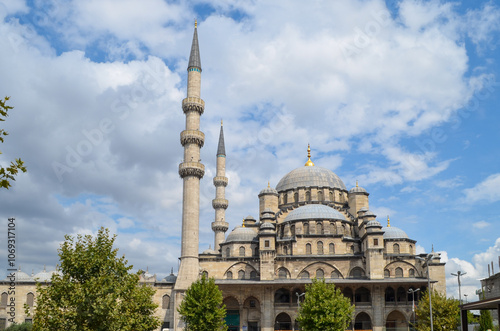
x,y
308,176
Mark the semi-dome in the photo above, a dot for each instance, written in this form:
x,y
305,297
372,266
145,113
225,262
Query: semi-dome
x,y
392,232
314,212
242,234
308,176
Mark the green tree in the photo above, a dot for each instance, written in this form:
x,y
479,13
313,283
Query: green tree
x,y
485,321
20,327
445,312
7,175
202,308
324,308
94,290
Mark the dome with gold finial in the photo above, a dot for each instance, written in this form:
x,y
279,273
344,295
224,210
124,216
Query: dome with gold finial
x,y
391,232
268,190
358,189
310,175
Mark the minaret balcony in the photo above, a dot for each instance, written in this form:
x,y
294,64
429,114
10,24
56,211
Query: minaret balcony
x,y
193,104
192,137
196,169
220,226
220,181
220,203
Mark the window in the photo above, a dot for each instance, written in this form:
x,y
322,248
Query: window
x,y
266,243
285,199
411,272
3,323
399,273
331,249
29,299
357,273
242,251
411,249
229,275
296,197
282,273
320,195
28,320
228,252
285,250
352,249
304,275
165,302
241,274
387,273
390,296
292,230
282,296
205,273
308,249
331,196
308,196
320,274
335,274
253,275
320,248
395,249
319,228
252,304
306,228
256,251
3,302
375,242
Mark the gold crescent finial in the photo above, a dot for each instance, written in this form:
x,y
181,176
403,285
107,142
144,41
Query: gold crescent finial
x,y
243,223
388,222
195,23
221,123
356,183
268,184
309,163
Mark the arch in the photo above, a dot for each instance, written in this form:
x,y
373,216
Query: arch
x,y
357,272
283,273
320,195
165,302
396,321
333,228
292,230
320,247
362,295
411,249
348,293
229,275
204,274
228,252
241,274
390,295
242,251
285,250
30,299
320,273
252,303
335,274
304,275
253,274
308,196
387,273
308,249
395,249
296,197
283,322
401,294
411,272
398,272
363,322
282,295
231,303
306,227
331,249
331,196
319,228
4,299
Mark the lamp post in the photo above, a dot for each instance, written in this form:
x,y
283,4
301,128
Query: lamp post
x,y
426,260
465,295
458,274
412,291
298,298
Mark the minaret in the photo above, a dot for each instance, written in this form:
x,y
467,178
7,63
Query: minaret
x,y
220,203
191,171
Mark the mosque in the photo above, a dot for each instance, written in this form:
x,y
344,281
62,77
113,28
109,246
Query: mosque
x,y
309,226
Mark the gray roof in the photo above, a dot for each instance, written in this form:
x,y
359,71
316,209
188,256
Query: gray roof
x,y
194,57
242,234
314,212
221,150
357,189
392,232
268,190
373,223
267,225
308,176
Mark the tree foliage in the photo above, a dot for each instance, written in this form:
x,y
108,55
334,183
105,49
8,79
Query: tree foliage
x,y
202,308
94,290
20,327
324,308
485,321
7,174
445,312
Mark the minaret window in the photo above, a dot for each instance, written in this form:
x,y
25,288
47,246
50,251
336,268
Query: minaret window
x,y
308,249
242,251
320,248
331,249
375,242
395,249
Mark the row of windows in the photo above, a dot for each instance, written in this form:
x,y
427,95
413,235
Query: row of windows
x,y
241,275
320,197
30,298
398,273
319,228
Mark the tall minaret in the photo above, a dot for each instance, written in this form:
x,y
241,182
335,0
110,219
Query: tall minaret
x,y
191,171
220,203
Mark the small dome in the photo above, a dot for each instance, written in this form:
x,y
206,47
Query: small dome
x,y
45,276
369,213
210,251
358,189
242,234
268,190
267,225
308,176
22,277
373,223
249,218
392,232
170,278
314,212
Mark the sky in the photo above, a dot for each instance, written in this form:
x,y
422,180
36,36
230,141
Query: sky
x,y
401,96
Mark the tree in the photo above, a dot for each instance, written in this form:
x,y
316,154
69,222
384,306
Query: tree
x,y
485,321
324,308
202,308
20,327
94,290
8,174
445,312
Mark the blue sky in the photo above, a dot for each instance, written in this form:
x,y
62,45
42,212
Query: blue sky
x,y
400,95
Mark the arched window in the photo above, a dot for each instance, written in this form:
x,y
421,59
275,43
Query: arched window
x,y
165,302
320,248
241,274
395,249
333,228
256,251
285,250
348,293
30,299
331,196
362,295
229,275
253,275
228,252
3,301
285,199
387,273
205,274
242,251
319,228
399,272
335,274
306,228
401,295
411,272
304,275
308,249
331,249
282,273
411,249
320,195
282,296
308,196
295,197
320,274
390,296
357,273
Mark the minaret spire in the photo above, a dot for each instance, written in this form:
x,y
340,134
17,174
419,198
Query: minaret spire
x,y
220,203
194,57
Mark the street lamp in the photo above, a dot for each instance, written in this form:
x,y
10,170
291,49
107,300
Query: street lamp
x,y
298,298
412,291
465,295
426,260
458,274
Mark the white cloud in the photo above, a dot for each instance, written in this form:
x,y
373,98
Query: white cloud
x,y
480,225
486,191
